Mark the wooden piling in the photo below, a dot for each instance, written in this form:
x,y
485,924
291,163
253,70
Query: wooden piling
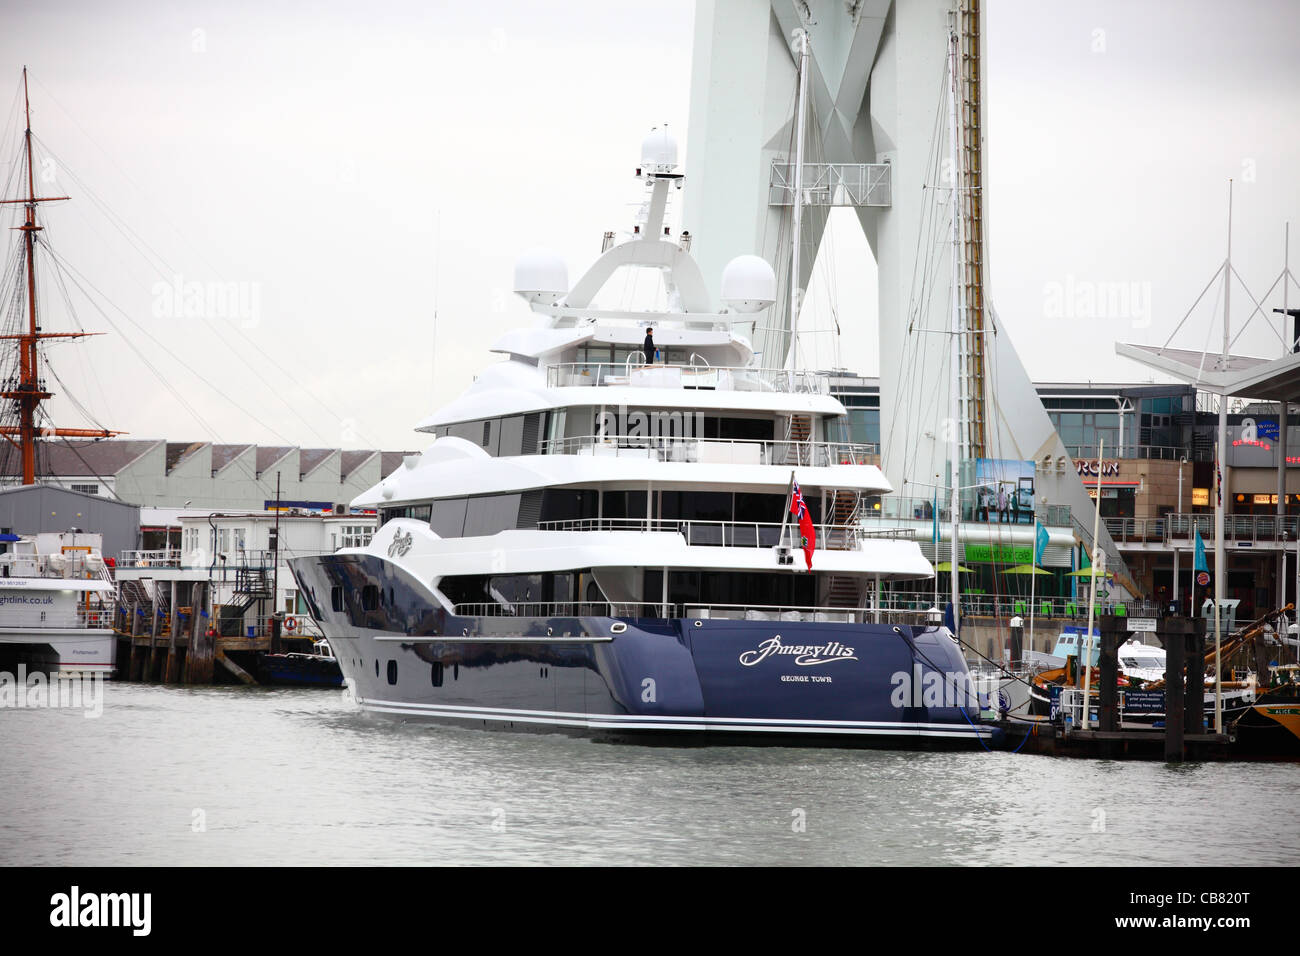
x,y
202,645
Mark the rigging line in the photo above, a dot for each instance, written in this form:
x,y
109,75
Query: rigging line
x,y
279,371
62,263
149,255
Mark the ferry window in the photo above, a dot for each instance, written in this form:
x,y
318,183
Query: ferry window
x,y
392,672
336,598
370,601
435,674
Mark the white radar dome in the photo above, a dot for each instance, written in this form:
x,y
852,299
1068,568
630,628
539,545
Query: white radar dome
x,y
659,149
541,276
748,284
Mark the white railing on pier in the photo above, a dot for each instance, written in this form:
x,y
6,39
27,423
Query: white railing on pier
x,y
159,558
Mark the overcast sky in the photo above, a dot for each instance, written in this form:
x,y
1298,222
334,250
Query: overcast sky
x,y
353,168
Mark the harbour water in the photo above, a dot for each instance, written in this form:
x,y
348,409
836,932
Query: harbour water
x,y
235,775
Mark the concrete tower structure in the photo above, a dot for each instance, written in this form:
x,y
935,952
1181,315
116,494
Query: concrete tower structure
x,y
877,139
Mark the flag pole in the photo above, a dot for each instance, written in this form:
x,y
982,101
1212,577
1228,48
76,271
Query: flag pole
x,y
785,517
1033,581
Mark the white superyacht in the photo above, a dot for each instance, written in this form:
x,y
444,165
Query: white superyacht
x,y
606,541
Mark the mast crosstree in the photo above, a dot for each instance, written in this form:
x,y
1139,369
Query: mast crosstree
x,y
29,390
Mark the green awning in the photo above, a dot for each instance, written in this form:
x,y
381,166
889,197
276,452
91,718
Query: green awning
x,y
1026,569
1087,573
947,566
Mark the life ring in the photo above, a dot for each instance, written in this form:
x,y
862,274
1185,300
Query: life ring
x,y
290,623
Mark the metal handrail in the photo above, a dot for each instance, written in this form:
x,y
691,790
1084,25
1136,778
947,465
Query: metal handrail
x,y
157,558
1254,528
732,534
673,448
657,609
729,378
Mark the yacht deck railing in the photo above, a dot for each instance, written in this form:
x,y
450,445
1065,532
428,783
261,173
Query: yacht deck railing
x,y
694,375
721,451
690,610
729,534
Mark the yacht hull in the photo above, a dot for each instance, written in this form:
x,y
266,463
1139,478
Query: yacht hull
x,y
877,684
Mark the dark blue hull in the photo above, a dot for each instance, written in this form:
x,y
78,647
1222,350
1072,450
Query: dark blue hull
x,y
711,679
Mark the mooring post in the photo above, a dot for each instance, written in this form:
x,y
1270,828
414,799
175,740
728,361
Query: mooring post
x,y
1173,634
1017,641
1108,661
1194,695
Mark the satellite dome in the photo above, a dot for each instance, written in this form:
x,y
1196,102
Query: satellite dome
x,y
748,284
541,276
659,149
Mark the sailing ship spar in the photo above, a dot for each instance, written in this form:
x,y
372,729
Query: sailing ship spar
x,y
27,389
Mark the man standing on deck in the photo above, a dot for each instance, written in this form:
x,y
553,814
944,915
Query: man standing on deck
x,y
649,346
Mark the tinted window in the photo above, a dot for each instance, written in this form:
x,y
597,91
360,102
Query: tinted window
x,y
448,519
491,513
370,602
336,598
392,672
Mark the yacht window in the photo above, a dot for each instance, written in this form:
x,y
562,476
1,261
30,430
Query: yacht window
x,y
435,674
392,672
489,514
448,519
370,602
336,598
487,434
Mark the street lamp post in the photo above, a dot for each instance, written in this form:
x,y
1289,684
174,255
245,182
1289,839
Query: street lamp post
x,y
1182,461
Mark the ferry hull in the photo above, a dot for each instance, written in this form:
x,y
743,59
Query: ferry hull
x,y
56,651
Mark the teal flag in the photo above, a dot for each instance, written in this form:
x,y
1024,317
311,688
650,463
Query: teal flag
x,y
1040,542
1199,564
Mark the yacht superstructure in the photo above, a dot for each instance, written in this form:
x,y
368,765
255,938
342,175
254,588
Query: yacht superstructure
x,y
600,535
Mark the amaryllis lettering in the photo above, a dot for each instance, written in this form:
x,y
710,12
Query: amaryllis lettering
x,y
805,655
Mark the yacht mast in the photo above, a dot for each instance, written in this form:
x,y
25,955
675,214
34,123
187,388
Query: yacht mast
x,y
796,223
954,376
1219,555
30,390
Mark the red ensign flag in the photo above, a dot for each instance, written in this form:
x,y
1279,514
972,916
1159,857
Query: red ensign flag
x,y
800,510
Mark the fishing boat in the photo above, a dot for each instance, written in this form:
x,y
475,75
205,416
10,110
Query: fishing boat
x,y
629,527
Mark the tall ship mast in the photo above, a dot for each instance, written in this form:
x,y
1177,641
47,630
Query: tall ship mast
x,y
24,386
